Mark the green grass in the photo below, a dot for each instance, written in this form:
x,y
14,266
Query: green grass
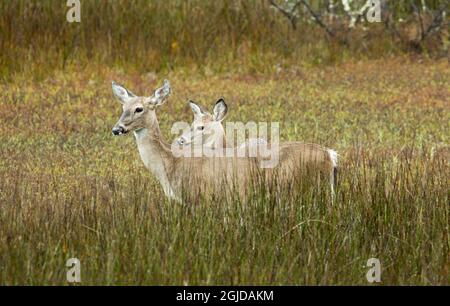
x,y
68,188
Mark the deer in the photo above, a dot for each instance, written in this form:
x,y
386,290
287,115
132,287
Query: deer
x,y
203,175
207,131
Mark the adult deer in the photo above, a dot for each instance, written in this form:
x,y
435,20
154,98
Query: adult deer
x,y
203,175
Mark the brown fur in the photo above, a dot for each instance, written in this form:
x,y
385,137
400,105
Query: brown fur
x,y
206,175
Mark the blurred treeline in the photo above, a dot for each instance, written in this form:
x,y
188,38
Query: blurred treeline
x,y
255,35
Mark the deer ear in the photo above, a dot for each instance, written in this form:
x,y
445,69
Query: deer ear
x,y
161,94
197,110
220,110
121,93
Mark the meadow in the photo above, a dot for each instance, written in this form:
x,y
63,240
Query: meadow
x,y
70,189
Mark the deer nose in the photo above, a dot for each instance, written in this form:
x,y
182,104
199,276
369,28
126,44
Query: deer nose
x,y
117,130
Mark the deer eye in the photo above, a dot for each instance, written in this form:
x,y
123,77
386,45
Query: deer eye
x,y
201,128
139,110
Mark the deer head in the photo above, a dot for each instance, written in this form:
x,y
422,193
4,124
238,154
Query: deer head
x,y
138,112
206,129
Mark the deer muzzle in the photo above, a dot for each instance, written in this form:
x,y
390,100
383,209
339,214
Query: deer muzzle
x,y
118,130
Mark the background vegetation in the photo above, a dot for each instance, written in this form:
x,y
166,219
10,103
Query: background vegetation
x,y
223,36
69,189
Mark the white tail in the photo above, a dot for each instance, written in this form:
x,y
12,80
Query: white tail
x,y
333,176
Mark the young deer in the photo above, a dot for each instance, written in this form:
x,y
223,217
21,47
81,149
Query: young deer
x,y
207,129
204,175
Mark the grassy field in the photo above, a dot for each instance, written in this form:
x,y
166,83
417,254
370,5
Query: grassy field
x,y
68,188
222,36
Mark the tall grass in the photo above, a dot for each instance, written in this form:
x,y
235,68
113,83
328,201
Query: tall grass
x,y
69,189
391,207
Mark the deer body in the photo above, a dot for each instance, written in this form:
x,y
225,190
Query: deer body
x,y
203,175
206,174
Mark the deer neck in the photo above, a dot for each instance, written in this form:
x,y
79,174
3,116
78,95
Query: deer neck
x,y
156,155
